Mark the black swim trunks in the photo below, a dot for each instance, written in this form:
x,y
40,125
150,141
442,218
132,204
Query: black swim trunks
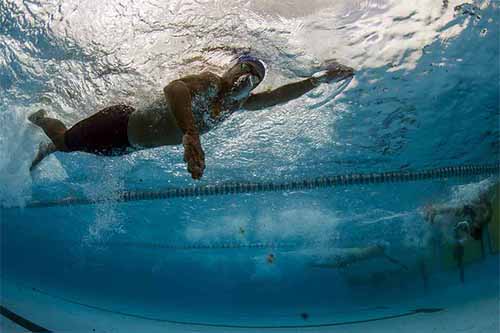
x,y
104,133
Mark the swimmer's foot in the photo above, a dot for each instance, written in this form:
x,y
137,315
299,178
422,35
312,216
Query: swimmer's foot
x,y
37,117
44,150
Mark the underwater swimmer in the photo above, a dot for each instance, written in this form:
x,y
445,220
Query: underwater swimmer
x,y
348,256
459,224
191,106
469,219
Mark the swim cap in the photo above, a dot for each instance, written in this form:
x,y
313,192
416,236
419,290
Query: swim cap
x,y
256,63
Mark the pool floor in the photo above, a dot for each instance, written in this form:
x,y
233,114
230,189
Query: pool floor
x,y
472,307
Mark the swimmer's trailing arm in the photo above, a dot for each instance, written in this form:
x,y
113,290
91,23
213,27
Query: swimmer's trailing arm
x,y
178,98
286,93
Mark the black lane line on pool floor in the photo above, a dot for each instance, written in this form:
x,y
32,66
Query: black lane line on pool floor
x,y
23,322
201,324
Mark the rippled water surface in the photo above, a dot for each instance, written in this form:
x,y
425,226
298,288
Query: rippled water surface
x,y
425,94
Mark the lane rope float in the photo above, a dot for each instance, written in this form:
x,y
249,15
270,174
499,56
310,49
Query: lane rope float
x,y
257,187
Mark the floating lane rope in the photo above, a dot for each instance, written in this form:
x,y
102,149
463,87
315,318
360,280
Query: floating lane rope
x,y
281,245
205,246
306,184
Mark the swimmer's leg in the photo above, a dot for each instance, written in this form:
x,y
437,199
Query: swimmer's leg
x,y
54,129
44,150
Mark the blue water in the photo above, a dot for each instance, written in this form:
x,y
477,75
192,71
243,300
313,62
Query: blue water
x,y
425,94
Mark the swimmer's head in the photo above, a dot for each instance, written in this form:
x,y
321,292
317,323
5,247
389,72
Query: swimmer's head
x,y
245,76
258,67
462,231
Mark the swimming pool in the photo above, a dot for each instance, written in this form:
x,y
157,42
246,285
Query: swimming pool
x,y
87,239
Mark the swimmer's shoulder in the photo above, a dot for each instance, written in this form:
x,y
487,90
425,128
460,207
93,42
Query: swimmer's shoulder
x,y
202,81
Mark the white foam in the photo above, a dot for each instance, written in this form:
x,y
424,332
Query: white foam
x,y
301,223
232,228
51,170
467,193
18,142
108,218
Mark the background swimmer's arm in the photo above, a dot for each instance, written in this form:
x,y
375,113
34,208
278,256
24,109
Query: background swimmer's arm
x,y
292,91
443,210
178,98
431,211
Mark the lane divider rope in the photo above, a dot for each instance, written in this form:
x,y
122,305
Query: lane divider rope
x,y
202,246
256,187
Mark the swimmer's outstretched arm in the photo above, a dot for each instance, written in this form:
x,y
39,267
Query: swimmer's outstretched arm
x,y
294,90
443,210
178,98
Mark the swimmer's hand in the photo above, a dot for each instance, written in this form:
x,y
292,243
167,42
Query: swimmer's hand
x,y
334,72
193,155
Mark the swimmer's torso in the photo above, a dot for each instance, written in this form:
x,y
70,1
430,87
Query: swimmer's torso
x,y
155,125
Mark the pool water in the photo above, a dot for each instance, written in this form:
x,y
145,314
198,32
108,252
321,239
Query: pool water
x,y
425,95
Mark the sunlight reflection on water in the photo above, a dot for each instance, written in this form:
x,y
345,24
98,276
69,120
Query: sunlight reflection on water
x,y
74,58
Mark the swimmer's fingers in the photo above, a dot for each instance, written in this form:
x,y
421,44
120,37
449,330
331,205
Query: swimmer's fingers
x,y
336,71
193,165
199,155
194,155
195,171
196,166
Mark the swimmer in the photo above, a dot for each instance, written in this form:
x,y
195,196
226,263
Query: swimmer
x,y
469,219
190,107
463,223
349,256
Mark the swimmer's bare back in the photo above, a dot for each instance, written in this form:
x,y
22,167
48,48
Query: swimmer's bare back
x,y
192,106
